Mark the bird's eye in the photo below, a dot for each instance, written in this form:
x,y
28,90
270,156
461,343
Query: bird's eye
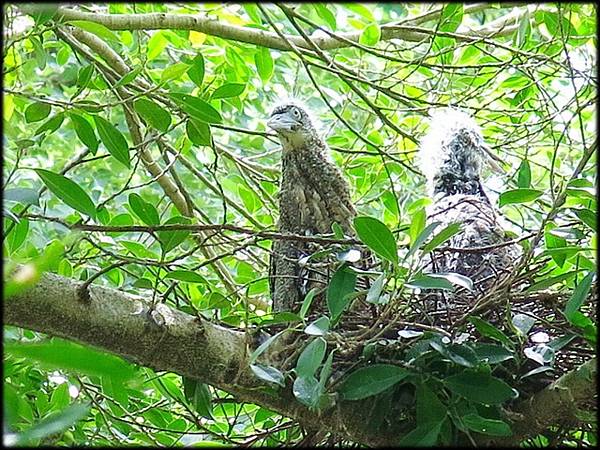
x,y
296,113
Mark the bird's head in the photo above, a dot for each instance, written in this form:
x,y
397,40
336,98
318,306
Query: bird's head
x,y
292,124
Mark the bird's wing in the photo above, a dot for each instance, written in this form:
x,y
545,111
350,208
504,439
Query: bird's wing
x,y
332,190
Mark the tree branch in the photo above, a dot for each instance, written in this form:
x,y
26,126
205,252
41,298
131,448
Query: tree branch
x,y
159,21
119,323
558,401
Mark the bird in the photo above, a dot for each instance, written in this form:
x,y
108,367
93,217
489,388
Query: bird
x,y
452,155
313,195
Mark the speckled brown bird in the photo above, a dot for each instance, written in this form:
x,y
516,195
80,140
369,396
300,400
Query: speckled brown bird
x,y
313,195
452,154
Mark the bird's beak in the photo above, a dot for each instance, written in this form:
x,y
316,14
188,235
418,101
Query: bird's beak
x,y
493,160
281,122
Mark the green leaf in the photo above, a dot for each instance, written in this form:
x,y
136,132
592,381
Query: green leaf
x,y
186,275
129,77
17,235
555,242
442,236
417,224
39,52
479,387
422,237
524,175
492,353
154,114
197,108
121,220
377,237
44,12
171,239
579,296
326,370
457,353
482,425
199,395
560,342
51,125
430,281
84,131
253,12
374,293
96,28
588,217
451,17
311,357
268,373
24,196
524,30
456,279
519,196
37,111
371,380
173,72
60,397
327,16
430,410
68,191
262,347
113,140
228,90
319,327
308,299
264,63
523,323
487,329
340,287
58,354
84,76
283,317
156,45
53,424
307,390
361,10
557,24
196,70
370,35
145,211
137,249
198,132
543,284
422,436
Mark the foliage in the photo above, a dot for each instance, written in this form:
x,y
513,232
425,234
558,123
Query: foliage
x,y
166,128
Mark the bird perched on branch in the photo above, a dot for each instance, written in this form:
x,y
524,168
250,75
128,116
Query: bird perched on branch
x,y
452,155
313,195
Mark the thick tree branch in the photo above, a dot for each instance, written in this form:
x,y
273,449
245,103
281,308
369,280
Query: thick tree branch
x,y
557,402
119,323
154,21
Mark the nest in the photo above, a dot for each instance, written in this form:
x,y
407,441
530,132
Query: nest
x,y
391,330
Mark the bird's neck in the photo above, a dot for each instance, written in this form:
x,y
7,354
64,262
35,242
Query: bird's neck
x,y
298,143
450,183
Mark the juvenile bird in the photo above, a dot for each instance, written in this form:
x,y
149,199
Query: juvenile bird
x,y
313,195
452,154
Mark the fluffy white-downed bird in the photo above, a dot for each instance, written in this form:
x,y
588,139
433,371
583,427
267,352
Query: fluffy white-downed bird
x,y
452,154
313,195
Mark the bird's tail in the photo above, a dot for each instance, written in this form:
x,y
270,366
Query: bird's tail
x,y
452,153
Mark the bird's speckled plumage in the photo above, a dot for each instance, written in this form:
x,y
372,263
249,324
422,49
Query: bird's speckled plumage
x,y
313,195
452,156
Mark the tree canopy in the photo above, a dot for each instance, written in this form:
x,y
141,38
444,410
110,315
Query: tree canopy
x,y
140,205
